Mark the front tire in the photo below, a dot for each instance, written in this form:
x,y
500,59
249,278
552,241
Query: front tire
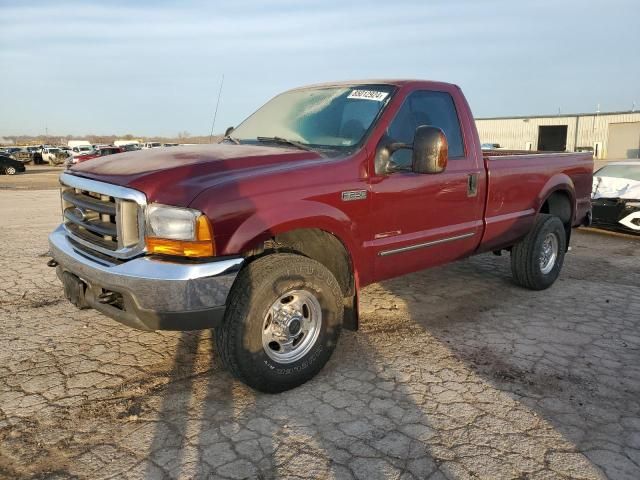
x,y
282,323
537,259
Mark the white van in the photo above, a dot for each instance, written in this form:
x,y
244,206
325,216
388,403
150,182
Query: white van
x,y
77,143
124,143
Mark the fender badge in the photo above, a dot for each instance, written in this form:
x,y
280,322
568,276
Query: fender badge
x,y
352,195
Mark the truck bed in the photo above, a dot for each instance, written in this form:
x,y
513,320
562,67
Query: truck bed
x,y
518,184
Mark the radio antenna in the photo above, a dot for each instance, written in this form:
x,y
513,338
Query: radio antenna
x,y
215,113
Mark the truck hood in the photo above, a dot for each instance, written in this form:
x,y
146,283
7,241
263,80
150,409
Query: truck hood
x,y
176,175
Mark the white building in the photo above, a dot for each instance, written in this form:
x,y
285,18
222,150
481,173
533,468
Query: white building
x,y
612,135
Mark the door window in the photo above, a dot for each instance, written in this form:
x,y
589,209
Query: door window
x,y
425,108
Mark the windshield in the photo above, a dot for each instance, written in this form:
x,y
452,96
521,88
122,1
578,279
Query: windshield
x,y
331,117
631,172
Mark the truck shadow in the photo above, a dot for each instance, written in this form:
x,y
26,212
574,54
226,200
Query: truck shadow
x,y
168,447
556,354
436,382
353,420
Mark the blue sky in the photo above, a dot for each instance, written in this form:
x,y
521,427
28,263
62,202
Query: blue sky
x,y
154,67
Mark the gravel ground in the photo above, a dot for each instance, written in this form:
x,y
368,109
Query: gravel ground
x,y
37,177
455,373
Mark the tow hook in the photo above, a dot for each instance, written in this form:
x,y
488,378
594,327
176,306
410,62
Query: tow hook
x,y
52,263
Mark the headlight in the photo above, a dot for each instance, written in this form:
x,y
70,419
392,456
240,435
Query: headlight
x,y
171,222
178,231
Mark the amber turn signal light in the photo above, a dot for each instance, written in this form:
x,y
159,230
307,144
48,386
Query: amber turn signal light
x,y
203,246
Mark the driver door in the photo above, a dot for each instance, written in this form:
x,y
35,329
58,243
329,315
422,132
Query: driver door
x,y
422,220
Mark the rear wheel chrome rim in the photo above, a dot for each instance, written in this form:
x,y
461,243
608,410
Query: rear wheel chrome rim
x,y
291,326
11,170
549,253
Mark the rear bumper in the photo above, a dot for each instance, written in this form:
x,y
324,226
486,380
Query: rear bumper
x,y
146,293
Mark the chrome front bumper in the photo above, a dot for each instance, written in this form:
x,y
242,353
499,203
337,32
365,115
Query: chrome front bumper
x,y
151,293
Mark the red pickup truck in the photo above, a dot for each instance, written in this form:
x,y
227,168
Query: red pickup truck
x,y
268,236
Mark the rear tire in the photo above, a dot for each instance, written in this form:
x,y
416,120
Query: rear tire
x,y
10,170
282,323
537,259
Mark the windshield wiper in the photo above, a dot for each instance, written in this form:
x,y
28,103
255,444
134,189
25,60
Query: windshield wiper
x,y
284,141
231,139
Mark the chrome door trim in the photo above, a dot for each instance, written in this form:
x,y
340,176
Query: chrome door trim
x,y
408,248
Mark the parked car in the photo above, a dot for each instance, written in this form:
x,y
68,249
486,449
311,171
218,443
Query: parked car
x,y
151,145
100,152
54,155
22,155
81,150
616,197
490,146
130,147
269,236
10,166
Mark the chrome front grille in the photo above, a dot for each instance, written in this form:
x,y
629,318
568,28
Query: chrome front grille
x,y
102,217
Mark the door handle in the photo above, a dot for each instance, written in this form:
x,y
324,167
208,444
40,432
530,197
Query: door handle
x,y
472,185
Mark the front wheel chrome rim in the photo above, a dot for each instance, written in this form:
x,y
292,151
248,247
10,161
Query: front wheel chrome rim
x,y
549,253
291,326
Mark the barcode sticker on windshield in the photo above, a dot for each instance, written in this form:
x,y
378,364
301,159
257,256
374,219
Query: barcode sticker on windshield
x,y
368,95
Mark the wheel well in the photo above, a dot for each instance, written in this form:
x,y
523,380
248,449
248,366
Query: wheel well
x,y
319,245
559,204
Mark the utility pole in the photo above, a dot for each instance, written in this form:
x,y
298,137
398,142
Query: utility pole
x,y
215,113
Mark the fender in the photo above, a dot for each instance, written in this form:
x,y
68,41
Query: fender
x,y
558,182
264,224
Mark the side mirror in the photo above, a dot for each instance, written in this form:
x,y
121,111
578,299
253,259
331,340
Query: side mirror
x,y
430,150
228,131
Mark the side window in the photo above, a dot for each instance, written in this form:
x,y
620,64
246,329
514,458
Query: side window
x,y
425,108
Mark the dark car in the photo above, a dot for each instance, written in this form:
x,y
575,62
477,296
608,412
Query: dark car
x,y
131,147
616,197
9,166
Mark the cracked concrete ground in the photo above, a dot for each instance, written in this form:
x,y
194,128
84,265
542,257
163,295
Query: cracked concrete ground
x,y
455,373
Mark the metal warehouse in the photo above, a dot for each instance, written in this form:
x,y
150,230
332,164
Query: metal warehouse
x,y
612,135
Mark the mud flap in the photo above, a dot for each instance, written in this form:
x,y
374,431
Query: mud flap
x,y
351,319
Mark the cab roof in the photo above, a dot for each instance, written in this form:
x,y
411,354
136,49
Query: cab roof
x,y
393,82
